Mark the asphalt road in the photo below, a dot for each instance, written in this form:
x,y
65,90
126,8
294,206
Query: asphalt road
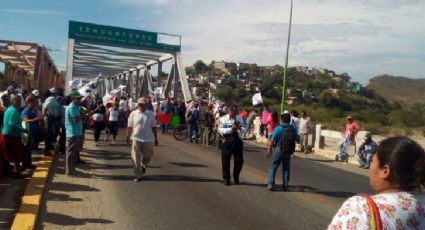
x,y
183,190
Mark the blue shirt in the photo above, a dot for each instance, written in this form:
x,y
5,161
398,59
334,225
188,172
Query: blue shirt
x,y
278,133
52,106
31,114
166,107
194,117
73,128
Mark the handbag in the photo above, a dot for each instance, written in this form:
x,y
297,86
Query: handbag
x,y
375,221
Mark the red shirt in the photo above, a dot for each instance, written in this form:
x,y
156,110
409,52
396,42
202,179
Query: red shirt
x,y
351,129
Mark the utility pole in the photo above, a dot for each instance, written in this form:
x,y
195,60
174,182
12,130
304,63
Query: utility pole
x,y
285,71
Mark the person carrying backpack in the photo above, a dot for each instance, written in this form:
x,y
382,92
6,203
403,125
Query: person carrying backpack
x,y
281,148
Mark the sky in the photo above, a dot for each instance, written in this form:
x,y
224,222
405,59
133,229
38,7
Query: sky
x,y
363,38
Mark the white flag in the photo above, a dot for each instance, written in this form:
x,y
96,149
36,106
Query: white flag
x,y
257,99
158,91
75,84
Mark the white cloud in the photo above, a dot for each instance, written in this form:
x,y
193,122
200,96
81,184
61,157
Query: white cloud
x,y
42,12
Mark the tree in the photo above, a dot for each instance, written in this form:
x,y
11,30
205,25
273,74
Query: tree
x,y
225,93
345,77
190,71
200,67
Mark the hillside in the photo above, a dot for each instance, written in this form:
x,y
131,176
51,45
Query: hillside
x,y
400,89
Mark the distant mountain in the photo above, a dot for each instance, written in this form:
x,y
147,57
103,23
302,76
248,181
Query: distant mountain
x,y
400,89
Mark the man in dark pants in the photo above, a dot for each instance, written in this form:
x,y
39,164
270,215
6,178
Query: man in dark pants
x,y
232,127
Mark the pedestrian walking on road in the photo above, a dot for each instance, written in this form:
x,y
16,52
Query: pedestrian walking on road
x,y
281,148
142,131
397,175
98,116
232,128
74,131
113,124
166,108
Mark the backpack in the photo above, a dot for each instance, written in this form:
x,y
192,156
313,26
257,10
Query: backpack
x,y
287,144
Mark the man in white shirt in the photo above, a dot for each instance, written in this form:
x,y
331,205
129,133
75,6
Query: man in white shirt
x,y
123,105
131,105
232,127
305,124
142,130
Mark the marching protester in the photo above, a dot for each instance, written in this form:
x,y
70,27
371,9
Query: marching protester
x,y
264,118
33,118
193,123
74,132
396,175
149,105
249,122
305,124
166,108
113,122
52,113
99,114
366,151
272,122
131,105
281,148
231,128
209,124
11,146
141,129
295,121
182,113
123,108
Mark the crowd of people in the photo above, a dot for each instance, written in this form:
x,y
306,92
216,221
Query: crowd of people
x,y
397,165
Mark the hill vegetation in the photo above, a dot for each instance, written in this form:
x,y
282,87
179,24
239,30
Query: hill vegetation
x,y
400,89
334,97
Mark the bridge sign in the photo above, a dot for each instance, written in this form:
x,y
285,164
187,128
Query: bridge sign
x,y
117,36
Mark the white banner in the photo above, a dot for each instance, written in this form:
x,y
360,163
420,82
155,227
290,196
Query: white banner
x,y
257,99
158,91
75,84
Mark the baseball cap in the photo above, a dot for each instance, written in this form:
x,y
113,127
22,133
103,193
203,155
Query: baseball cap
x,y
349,117
35,93
75,94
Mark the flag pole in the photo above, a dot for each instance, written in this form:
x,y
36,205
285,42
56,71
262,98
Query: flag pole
x,y
285,71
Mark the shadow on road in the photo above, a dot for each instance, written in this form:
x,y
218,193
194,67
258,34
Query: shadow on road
x,y
64,220
188,165
68,187
61,197
308,189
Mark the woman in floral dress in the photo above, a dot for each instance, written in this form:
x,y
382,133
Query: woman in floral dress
x,y
397,174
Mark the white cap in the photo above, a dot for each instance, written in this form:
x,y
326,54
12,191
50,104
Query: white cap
x,y
35,93
286,111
